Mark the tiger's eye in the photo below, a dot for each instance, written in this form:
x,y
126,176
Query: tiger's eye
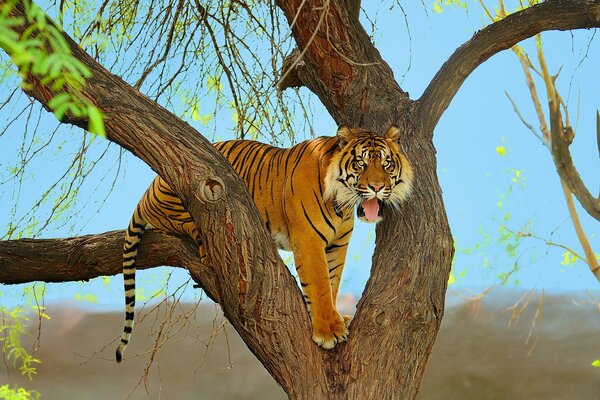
x,y
358,164
388,163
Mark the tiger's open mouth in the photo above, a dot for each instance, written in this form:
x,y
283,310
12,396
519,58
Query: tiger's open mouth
x,y
369,210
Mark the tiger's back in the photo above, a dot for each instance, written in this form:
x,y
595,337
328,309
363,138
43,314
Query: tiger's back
x,y
277,177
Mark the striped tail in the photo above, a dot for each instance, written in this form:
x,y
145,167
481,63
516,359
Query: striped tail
x,y
134,233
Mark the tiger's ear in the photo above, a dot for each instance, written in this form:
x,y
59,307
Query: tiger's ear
x,y
344,135
393,133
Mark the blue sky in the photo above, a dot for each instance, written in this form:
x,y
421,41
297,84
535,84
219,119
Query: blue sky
x,y
483,190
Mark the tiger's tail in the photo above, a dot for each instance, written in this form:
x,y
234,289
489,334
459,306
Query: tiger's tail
x,y
133,235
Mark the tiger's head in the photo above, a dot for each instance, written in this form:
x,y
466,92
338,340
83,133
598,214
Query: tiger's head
x,y
368,171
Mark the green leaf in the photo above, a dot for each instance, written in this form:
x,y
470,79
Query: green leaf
x,y
214,83
86,297
568,258
596,363
59,100
95,122
451,279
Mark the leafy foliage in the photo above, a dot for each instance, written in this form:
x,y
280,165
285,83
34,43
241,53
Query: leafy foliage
x,y
42,51
8,393
12,325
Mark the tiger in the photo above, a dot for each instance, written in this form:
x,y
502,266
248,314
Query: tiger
x,y
306,196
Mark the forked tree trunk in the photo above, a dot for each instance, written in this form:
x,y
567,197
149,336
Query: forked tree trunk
x,y
400,312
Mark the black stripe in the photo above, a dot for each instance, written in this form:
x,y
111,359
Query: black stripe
x,y
129,316
314,227
158,214
260,165
127,329
142,227
332,148
129,276
229,146
250,173
345,234
131,247
336,267
132,233
325,217
129,286
304,146
319,179
334,246
244,153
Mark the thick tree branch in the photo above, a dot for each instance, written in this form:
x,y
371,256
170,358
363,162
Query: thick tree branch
x,y
86,257
590,257
293,70
546,139
550,15
336,60
403,303
562,137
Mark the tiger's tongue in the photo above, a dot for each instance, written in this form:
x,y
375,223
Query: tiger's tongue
x,y
371,208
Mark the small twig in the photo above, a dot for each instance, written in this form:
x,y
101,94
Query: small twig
x,y
548,242
590,257
324,11
525,62
527,125
537,316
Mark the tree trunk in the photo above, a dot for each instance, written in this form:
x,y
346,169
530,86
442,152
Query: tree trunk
x,y
400,312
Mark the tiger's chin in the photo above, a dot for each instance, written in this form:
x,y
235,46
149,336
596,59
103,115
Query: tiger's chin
x,y
370,210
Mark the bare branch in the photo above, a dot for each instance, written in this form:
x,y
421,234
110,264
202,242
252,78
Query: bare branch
x,y
293,69
526,65
86,257
590,257
598,130
338,62
527,125
561,139
492,39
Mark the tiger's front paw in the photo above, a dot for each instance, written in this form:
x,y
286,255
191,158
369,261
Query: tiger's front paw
x,y
328,333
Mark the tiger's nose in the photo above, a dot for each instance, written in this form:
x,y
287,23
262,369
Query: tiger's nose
x,y
376,187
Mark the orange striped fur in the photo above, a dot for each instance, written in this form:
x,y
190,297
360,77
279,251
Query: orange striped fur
x,y
306,196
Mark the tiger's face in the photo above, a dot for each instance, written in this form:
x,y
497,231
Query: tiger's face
x,y
368,171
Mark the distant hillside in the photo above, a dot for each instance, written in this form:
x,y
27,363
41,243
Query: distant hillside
x,y
478,354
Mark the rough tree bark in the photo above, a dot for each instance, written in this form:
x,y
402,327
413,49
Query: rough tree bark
x,y
400,312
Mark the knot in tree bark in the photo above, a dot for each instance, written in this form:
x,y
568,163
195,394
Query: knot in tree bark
x,y
213,189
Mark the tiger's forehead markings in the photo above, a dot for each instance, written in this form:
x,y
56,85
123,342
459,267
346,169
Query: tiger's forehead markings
x,y
373,148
